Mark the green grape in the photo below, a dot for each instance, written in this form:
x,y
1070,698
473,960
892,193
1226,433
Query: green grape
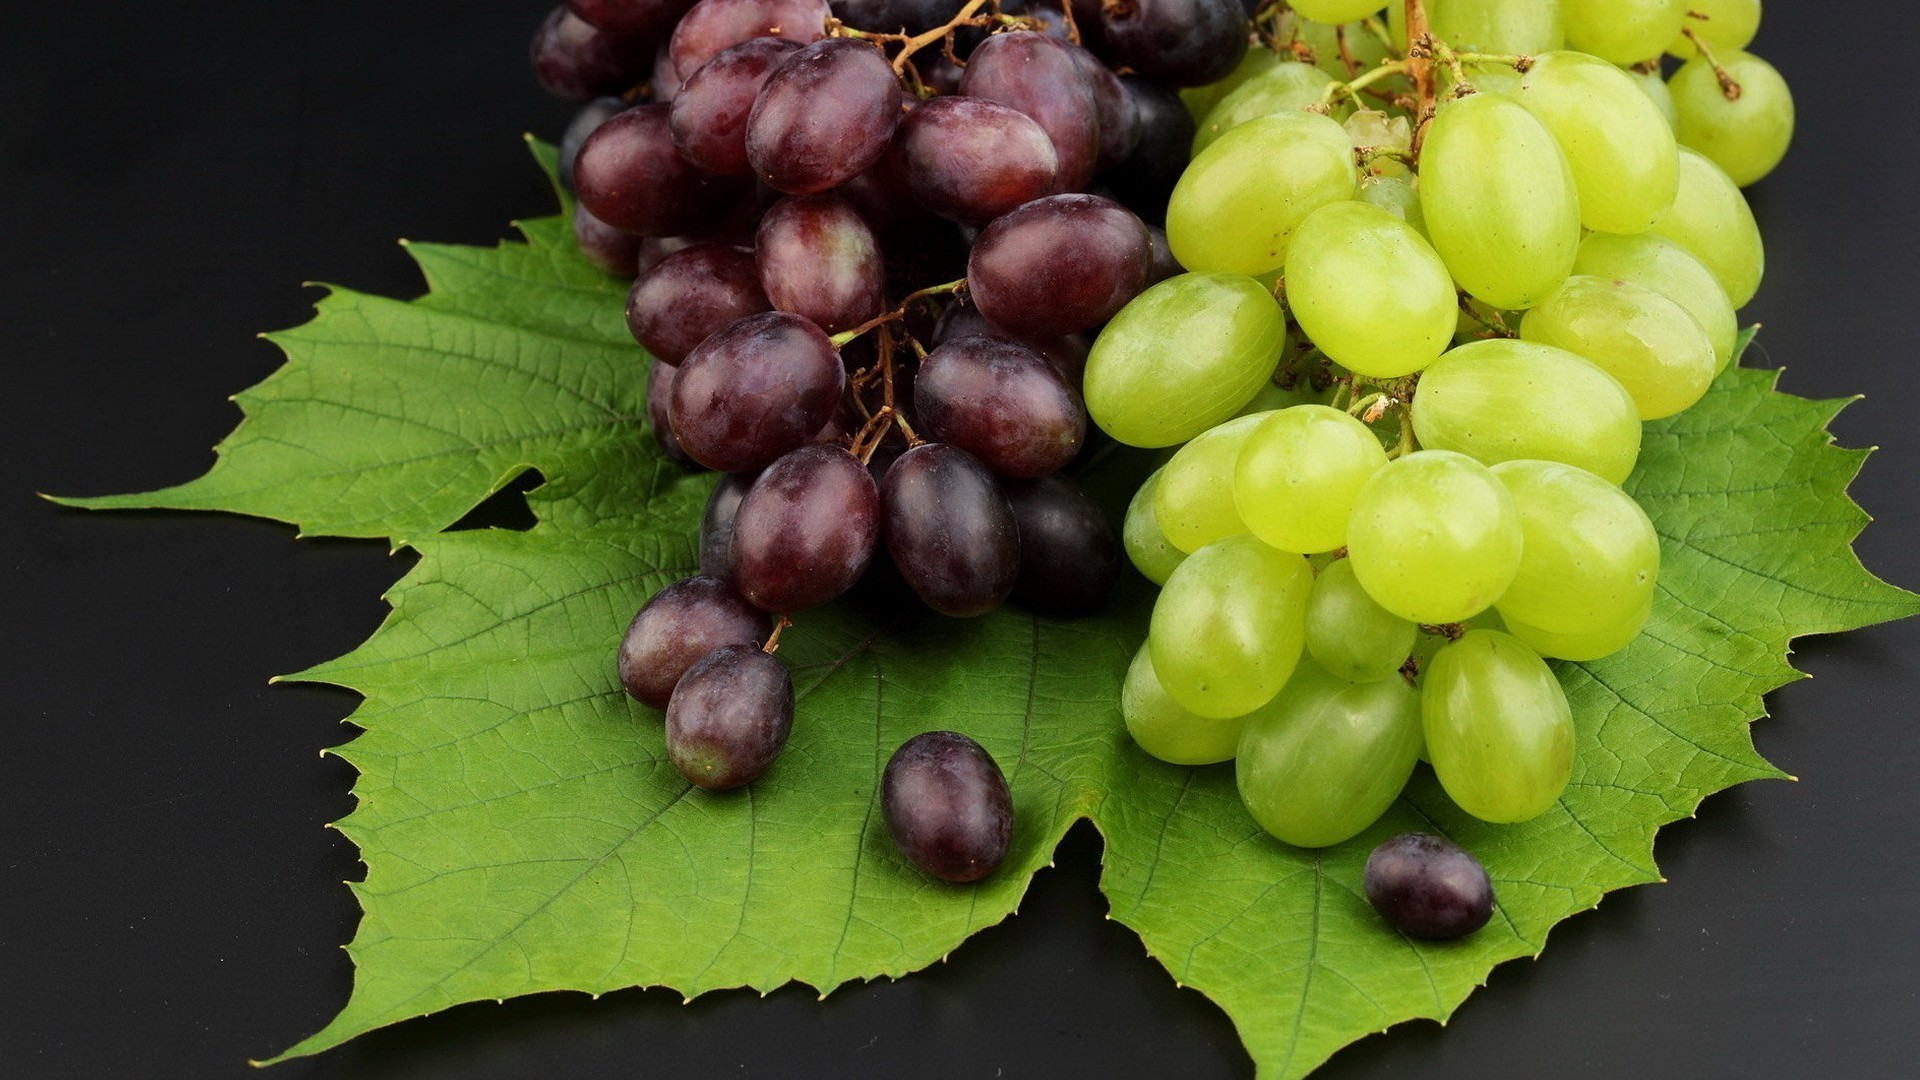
x,y
1434,537
1499,196
1194,500
1590,557
1336,11
1183,356
1625,162
1623,31
1349,634
1152,553
1272,397
1367,50
1666,268
1648,342
1369,290
1228,628
1727,25
1746,136
1284,87
1711,219
1200,100
1237,204
1427,644
1398,196
1501,399
1328,757
1297,477
1590,645
1164,728
1655,87
1499,731
1488,26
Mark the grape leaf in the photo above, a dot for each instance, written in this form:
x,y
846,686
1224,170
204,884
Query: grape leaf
x,y
523,831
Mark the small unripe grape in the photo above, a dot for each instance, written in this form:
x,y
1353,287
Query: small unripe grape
x,y
1428,887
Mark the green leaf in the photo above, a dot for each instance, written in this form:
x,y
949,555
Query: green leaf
x,y
523,831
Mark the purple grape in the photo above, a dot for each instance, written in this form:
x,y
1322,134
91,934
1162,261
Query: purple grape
x,y
729,717
1059,265
1113,107
1069,554
584,123
632,20
659,407
1164,264
716,524
629,174
1035,74
613,251
678,626
818,259
711,27
896,16
806,529
1429,887
709,119
950,530
947,806
1179,42
1002,402
576,61
824,116
1067,352
1144,181
972,160
755,390
691,295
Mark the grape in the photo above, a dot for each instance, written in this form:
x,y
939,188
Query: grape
x,y
709,117
1164,266
1655,87
1178,42
659,413
1228,627
1068,352
819,260
895,16
1035,74
1499,731
947,806
1200,100
1147,547
577,61
755,390
1002,402
729,717
1164,728
1193,502
1624,159
716,524
691,295
1666,268
1296,477
1500,200
1398,196
1428,887
1586,645
973,160
1590,557
1503,399
1489,26
1623,31
1746,136
1725,25
1114,112
1648,342
825,115
1145,179
805,530
630,176
1370,291
610,250
1350,635
1059,265
584,123
1236,206
950,530
1069,555
711,27
1434,537
1328,757
1144,393
679,625
1711,219
1284,87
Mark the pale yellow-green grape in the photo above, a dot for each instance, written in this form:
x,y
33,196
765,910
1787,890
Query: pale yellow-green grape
x,y
1398,196
1729,25
1336,11
1164,728
1623,31
1237,204
1648,342
1655,87
1587,646
1670,270
1328,757
1711,219
1193,502
1501,400
1369,290
1228,628
1285,87
1149,549
1746,136
1489,26
1500,201
1297,476
1367,50
1434,537
1499,730
1350,634
1199,100
1625,162
1183,356
1591,556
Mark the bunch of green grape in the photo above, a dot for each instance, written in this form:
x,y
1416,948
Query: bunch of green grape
x,y
1431,294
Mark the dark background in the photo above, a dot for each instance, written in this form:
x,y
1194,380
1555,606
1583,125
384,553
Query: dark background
x,y
171,174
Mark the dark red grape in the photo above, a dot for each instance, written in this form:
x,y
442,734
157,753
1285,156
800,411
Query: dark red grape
x,y
755,390
1145,179
584,123
1003,403
805,530
950,530
1112,106
1069,554
1036,75
659,415
896,16
613,251
633,20
681,624
818,259
1067,352
629,174
709,119
691,295
713,26
947,806
824,116
716,524
972,160
729,717
1180,42
575,60
1059,265
1428,887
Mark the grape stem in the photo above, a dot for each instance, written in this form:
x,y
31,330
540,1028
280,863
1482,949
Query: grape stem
x,y
1346,54
910,44
773,640
1336,91
1420,57
1489,318
1729,86
842,339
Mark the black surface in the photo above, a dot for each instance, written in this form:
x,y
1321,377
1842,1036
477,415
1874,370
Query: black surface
x,y
170,898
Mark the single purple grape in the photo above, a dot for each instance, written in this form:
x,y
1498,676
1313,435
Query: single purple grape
x,y
1059,265
947,806
577,61
972,160
632,20
691,295
1178,42
1070,556
631,177
762,386
818,259
1429,887
678,626
716,524
729,717
709,119
949,530
1002,402
1113,107
824,116
805,530
711,27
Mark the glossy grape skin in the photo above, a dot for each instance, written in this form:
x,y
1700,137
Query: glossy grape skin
x,y
1729,25
1146,177
1434,538
716,524
709,117
1167,730
1193,502
577,61
1623,31
1236,206
1145,394
1350,635
1711,219
1069,553
691,295
947,806
1590,558
584,123
1489,26
659,414
1035,74
1147,547
1369,290
755,390
1673,272
713,26
1499,731
678,627
1502,399
972,160
950,531
729,717
1648,342
1229,626
1059,265
1297,475
1585,645
611,251
823,116
806,529
1622,152
1746,136
819,260
1328,756
1428,887
1178,42
1500,201
1113,108
1002,402
1284,87
630,176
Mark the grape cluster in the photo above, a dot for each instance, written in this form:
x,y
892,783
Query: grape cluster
x,y
1439,268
